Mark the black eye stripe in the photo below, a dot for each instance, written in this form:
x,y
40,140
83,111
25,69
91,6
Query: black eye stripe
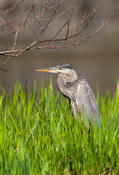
x,y
66,66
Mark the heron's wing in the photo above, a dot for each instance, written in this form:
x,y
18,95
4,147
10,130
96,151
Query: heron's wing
x,y
85,99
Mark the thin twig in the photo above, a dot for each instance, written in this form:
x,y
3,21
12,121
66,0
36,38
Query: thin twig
x,y
7,22
15,40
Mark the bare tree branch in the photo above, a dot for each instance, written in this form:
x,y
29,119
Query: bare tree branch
x,y
55,26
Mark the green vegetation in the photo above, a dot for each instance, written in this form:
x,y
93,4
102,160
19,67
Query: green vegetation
x,y
39,136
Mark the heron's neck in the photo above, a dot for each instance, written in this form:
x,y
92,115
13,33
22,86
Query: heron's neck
x,y
65,84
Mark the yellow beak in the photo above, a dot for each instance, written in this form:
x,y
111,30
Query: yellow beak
x,y
46,70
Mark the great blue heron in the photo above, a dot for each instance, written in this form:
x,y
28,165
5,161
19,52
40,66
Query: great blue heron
x,y
77,90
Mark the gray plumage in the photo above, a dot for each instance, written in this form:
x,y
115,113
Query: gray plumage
x,y
77,90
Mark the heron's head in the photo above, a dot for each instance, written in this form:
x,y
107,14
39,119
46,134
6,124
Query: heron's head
x,y
62,69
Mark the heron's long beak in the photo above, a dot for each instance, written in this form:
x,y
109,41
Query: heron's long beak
x,y
50,69
45,70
